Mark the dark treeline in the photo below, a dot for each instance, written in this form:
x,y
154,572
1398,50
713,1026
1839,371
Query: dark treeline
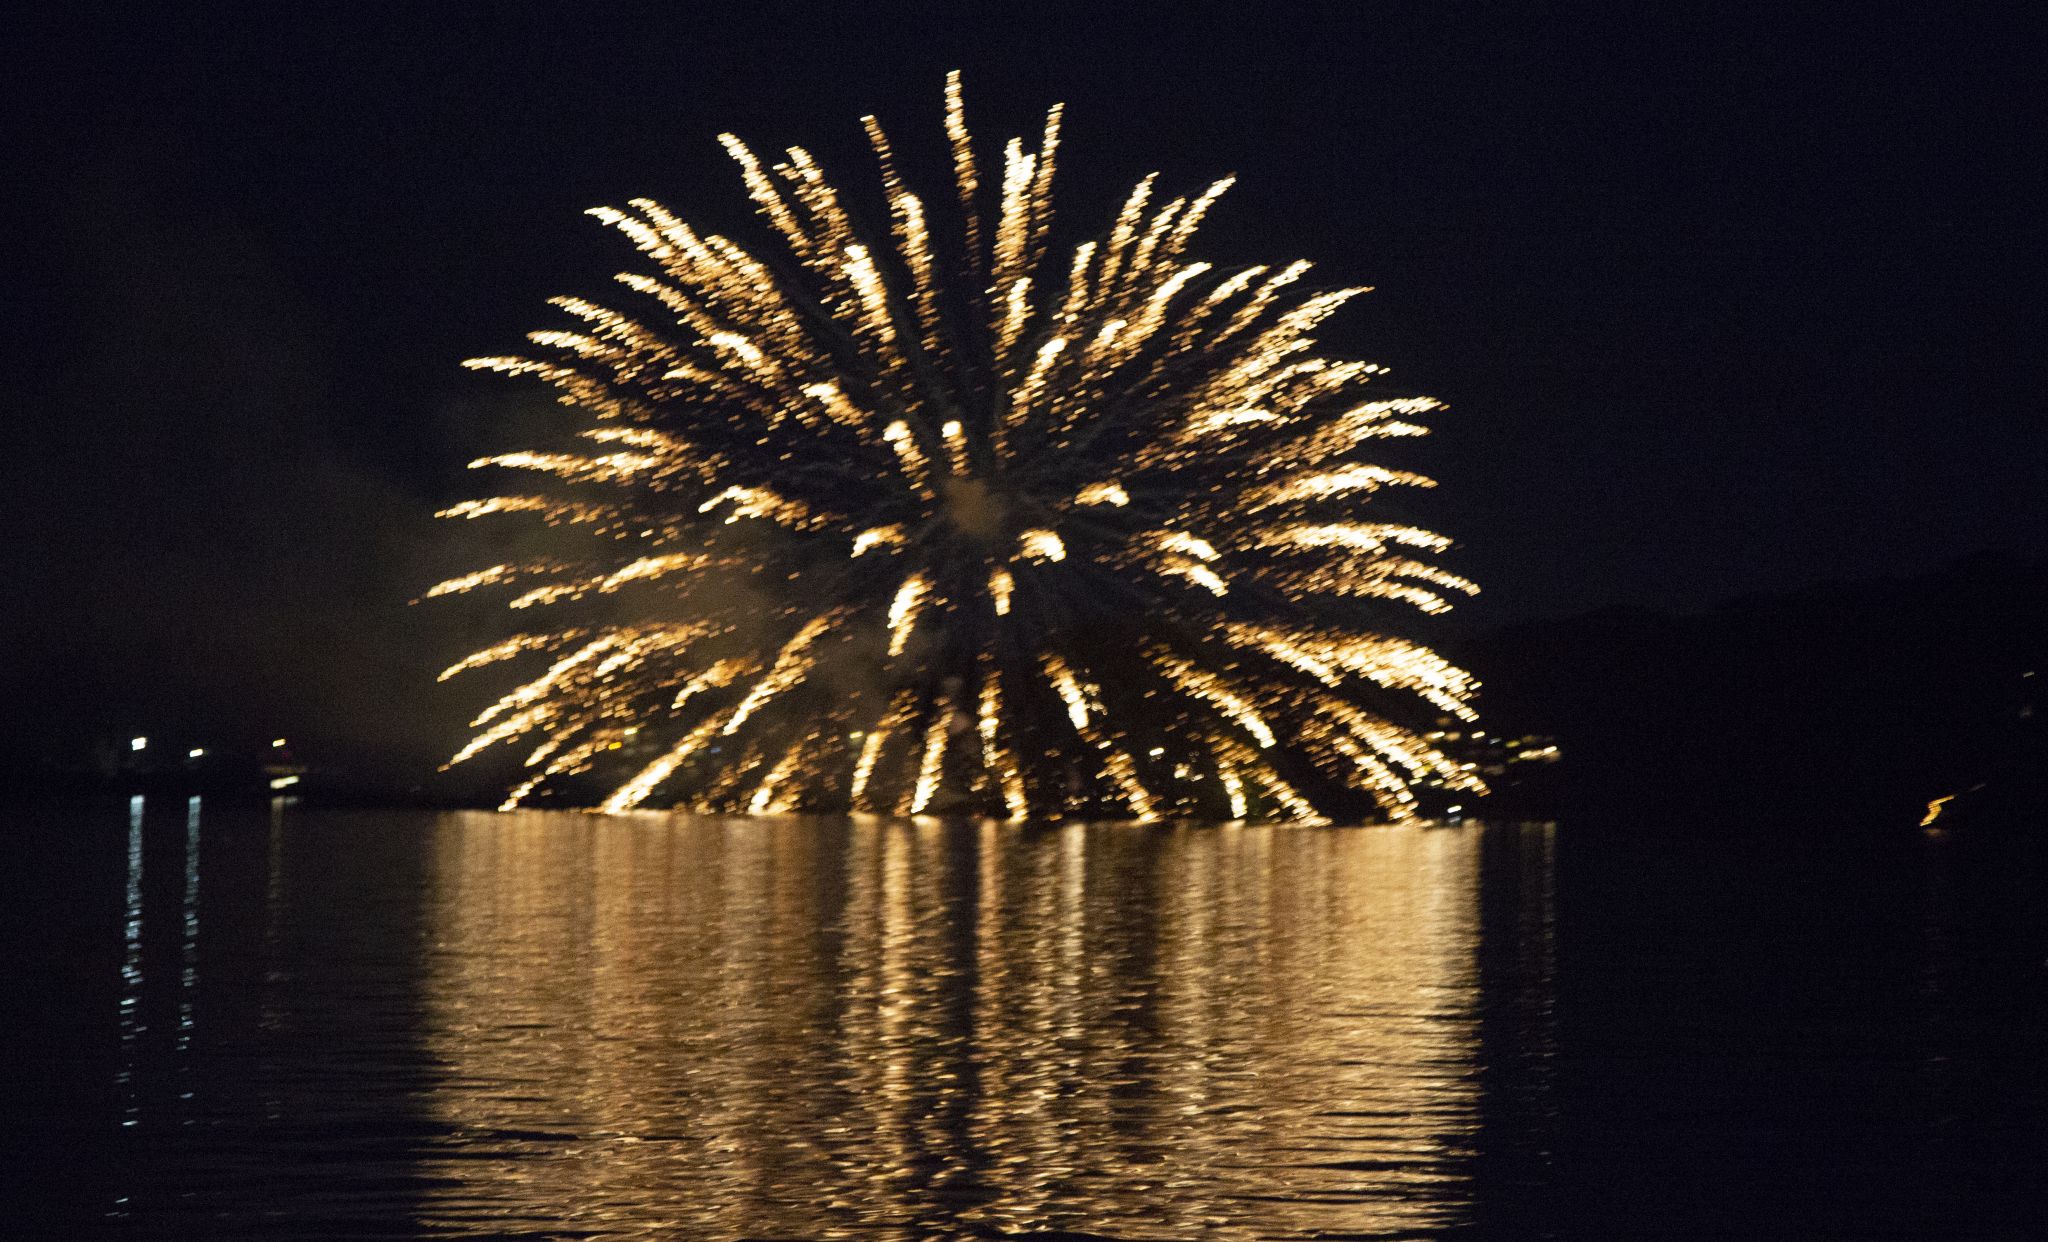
x,y
1842,707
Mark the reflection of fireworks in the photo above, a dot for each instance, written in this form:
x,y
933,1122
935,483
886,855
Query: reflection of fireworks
x,y
1035,541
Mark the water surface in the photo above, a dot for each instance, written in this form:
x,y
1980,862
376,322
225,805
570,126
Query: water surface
x,y
268,1022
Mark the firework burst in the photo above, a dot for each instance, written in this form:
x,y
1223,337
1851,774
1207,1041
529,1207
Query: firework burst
x,y
867,529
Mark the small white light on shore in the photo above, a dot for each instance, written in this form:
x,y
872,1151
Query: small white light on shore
x,y
277,741
195,752
137,743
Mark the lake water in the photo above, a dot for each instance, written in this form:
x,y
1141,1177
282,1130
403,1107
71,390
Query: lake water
x,y
238,1020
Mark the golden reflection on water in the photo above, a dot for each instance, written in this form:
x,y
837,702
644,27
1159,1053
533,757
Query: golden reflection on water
x,y
661,1027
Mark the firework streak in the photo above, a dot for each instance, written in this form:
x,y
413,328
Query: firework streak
x,y
867,528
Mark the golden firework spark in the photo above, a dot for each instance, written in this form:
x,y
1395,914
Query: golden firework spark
x,y
870,530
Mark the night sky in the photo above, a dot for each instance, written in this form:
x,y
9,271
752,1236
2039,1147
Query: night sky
x,y
1722,298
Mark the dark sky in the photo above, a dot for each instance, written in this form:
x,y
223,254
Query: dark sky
x,y
1724,298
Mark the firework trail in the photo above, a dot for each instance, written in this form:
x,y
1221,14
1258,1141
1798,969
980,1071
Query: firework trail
x,y
1050,535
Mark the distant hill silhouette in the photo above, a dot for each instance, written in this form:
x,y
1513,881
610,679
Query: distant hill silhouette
x,y
1842,708
1838,708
